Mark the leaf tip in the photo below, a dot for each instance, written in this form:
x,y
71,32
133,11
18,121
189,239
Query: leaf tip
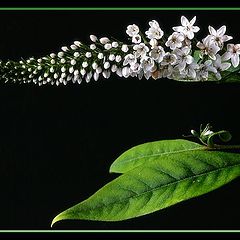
x,y
58,218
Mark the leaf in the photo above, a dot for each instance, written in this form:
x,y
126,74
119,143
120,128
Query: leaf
x,y
146,152
231,75
160,183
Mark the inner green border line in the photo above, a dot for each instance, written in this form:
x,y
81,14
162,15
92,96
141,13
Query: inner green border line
x,y
118,8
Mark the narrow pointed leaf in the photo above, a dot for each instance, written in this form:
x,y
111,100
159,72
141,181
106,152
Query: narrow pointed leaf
x,y
158,184
146,152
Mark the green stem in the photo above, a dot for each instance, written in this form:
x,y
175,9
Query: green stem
x,y
223,147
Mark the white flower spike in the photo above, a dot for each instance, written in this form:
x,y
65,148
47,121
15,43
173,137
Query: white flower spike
x,y
178,56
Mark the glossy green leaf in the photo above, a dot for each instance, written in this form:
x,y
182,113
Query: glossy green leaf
x,y
157,184
144,153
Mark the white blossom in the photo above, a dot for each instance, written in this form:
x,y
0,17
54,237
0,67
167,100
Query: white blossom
x,y
204,69
207,47
124,48
108,46
220,66
93,38
132,30
154,32
104,40
100,56
129,59
232,53
217,36
115,44
183,57
93,47
187,27
147,64
140,50
175,40
153,42
118,58
169,58
136,38
157,53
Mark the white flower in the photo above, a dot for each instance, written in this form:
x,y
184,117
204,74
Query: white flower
x,y
84,64
220,66
114,44
106,74
92,37
232,53
165,71
129,59
135,67
100,56
88,54
140,50
104,40
154,31
190,70
136,38
118,58
207,47
124,48
96,76
132,30
187,27
157,53
93,47
169,59
153,42
202,73
147,64
183,57
126,72
175,40
217,36
108,46
94,65
114,68
106,65
111,57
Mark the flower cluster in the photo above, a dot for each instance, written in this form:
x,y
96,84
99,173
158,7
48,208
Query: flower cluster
x,y
179,56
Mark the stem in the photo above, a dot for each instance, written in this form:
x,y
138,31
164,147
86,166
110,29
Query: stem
x,y
223,147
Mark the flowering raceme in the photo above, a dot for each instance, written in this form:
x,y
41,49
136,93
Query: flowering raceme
x,y
178,56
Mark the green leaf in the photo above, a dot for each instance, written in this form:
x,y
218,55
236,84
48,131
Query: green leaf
x,y
196,55
147,152
231,75
158,184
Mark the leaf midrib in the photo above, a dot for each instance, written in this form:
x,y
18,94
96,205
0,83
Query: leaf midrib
x,y
162,154
166,185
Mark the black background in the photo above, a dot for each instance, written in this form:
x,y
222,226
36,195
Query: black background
x,y
57,143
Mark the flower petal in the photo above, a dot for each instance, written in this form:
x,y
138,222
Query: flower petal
x,y
178,28
193,21
226,38
195,28
184,21
212,31
235,60
189,59
221,30
226,56
190,34
225,66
